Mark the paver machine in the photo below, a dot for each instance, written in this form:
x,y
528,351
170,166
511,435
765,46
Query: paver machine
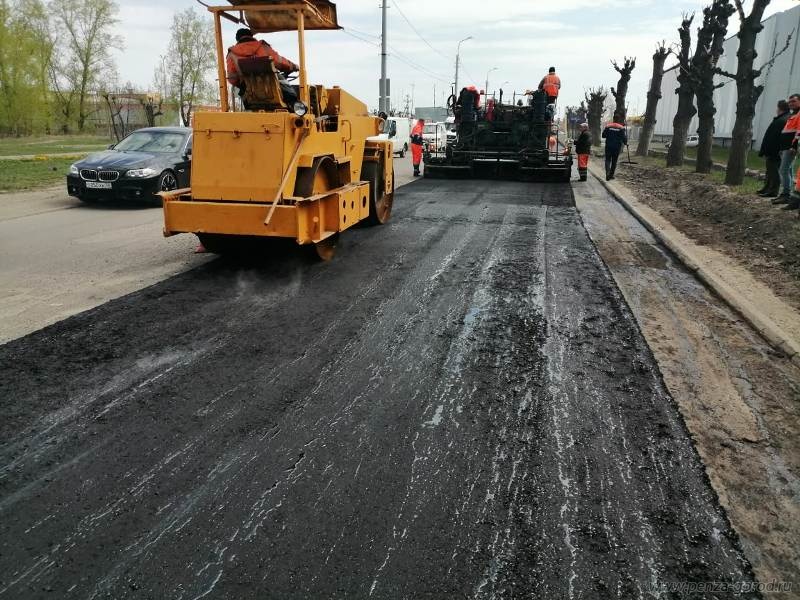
x,y
503,141
303,169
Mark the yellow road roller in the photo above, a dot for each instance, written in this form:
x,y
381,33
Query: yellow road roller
x,y
297,163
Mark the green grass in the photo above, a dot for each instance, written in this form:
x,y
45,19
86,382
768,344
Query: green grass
x,y
42,145
750,186
720,155
16,175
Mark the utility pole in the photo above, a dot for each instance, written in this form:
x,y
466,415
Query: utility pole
x,y
458,58
383,102
413,85
486,89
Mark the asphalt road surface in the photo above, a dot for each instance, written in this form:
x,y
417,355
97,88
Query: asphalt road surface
x,y
59,256
460,405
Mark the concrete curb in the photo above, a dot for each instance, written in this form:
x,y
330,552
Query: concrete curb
x,y
668,236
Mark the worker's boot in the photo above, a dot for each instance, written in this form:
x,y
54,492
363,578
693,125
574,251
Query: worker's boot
x,y
794,202
416,170
781,199
608,175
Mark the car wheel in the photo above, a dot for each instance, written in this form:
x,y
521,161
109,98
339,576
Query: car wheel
x,y
166,183
403,151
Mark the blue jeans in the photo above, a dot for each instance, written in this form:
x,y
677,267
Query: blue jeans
x,y
785,171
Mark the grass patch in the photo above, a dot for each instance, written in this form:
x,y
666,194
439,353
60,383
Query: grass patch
x,y
720,155
750,186
16,175
39,145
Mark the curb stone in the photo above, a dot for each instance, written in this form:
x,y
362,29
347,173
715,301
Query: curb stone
x,y
763,324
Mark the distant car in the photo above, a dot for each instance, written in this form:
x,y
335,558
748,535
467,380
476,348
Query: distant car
x,y
148,161
692,141
435,136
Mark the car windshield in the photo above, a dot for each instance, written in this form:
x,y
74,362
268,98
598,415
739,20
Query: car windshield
x,y
430,128
151,141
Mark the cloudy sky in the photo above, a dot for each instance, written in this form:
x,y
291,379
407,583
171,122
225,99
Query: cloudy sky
x,y
522,38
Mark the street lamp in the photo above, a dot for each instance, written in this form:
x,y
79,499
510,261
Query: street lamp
x,y
486,89
458,54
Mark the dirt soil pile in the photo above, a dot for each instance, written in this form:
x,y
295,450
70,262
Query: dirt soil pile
x,y
763,238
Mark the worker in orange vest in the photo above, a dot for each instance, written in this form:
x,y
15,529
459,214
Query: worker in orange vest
x,y
550,85
416,145
248,46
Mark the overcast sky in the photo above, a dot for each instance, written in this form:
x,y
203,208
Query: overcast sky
x,y
522,38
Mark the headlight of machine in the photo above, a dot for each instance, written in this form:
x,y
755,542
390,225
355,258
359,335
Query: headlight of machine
x,y
73,170
146,172
300,109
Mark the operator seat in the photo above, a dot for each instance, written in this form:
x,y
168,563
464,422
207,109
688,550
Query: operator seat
x,y
264,90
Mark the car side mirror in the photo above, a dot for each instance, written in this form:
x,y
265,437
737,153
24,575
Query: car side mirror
x,y
188,153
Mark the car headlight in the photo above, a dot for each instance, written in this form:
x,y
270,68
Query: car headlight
x,y
146,172
300,109
73,170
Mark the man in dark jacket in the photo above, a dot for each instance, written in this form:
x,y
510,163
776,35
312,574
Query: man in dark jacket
x,y
771,151
583,148
616,137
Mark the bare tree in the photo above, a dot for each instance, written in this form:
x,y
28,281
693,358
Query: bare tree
x,y
685,91
710,46
621,91
595,107
653,98
190,59
747,92
152,104
84,37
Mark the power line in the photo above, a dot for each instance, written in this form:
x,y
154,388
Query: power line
x,y
396,54
419,35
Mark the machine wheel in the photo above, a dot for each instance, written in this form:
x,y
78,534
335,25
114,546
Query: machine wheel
x,y
324,250
217,243
380,203
319,178
403,151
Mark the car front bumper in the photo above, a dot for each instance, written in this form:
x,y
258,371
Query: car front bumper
x,y
125,189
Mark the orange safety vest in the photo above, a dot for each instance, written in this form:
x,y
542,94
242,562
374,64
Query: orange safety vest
x,y
251,49
551,84
792,124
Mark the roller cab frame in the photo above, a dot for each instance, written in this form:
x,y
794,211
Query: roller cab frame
x,y
306,171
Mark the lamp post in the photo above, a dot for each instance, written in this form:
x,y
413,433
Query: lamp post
x,y
458,57
486,89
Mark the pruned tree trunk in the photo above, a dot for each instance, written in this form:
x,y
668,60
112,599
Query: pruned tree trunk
x,y
595,106
747,92
685,91
621,92
653,98
710,46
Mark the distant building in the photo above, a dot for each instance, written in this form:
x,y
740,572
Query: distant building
x,y
436,114
779,81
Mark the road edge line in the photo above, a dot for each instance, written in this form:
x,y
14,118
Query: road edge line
x,y
764,325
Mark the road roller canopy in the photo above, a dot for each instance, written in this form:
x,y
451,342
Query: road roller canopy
x,y
267,16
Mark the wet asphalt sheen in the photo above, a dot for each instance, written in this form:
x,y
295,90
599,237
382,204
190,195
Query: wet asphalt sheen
x,y
460,405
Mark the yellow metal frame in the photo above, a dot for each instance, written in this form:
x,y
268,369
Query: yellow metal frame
x,y
246,165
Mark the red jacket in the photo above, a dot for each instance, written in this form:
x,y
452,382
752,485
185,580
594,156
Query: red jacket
x,y
249,48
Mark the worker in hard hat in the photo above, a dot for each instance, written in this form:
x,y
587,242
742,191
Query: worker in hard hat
x,y
551,85
583,148
247,46
417,140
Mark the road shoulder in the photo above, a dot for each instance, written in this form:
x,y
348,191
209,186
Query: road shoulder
x,y
736,394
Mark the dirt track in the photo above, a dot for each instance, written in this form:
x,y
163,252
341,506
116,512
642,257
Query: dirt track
x,y
460,405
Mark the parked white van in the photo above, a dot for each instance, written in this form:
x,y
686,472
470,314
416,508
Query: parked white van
x,y
398,130
435,136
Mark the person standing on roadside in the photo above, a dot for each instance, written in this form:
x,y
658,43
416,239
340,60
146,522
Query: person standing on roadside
x,y
788,135
583,148
416,145
616,137
771,151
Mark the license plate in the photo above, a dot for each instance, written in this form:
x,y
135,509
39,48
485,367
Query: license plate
x,y
98,185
